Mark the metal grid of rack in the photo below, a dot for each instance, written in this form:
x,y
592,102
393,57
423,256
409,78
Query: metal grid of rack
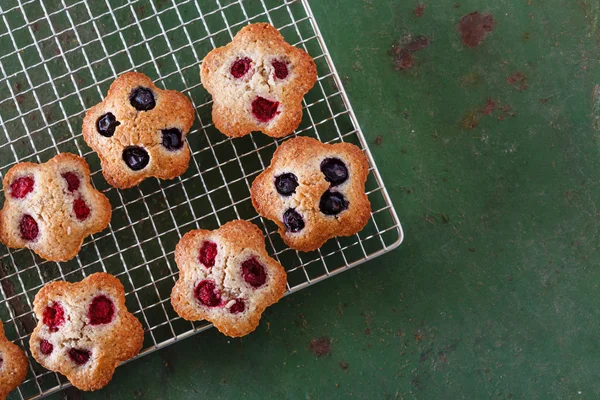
x,y
59,57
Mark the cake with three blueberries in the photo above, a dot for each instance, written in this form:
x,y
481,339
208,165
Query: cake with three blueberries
x,y
50,208
258,82
139,131
226,277
84,330
314,192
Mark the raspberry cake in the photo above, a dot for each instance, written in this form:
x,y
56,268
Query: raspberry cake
x,y
50,208
84,330
13,365
139,131
314,192
226,277
257,82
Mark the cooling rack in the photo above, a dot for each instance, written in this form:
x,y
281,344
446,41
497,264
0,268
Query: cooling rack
x,y
58,58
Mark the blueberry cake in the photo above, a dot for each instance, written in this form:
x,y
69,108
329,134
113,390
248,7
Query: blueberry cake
x,y
314,192
50,208
13,365
84,330
257,82
139,131
226,277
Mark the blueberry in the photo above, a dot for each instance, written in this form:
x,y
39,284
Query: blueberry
x,y
293,221
172,139
136,157
335,171
286,184
142,99
332,203
107,124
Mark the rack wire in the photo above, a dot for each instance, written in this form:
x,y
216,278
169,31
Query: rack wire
x,y
59,57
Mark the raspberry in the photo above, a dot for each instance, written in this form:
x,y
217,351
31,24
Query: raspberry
x,y
237,307
207,294
208,253
21,187
29,228
264,110
281,69
72,181
53,317
81,210
79,356
253,272
46,347
101,310
240,67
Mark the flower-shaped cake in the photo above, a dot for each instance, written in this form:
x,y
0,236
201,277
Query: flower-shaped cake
x,y
139,131
314,192
84,330
13,365
50,208
257,82
226,277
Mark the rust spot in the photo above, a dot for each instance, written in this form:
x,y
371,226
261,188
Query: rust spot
x,y
401,334
474,28
519,80
321,346
378,140
344,365
419,43
442,356
418,336
404,60
470,120
472,249
489,107
544,100
367,331
405,48
419,10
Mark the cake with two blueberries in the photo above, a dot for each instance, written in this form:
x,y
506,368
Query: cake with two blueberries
x,y
84,330
139,131
50,208
226,277
314,192
258,82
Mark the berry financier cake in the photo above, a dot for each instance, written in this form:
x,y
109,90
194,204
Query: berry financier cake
x,y
257,82
226,277
50,208
13,365
314,192
84,330
139,131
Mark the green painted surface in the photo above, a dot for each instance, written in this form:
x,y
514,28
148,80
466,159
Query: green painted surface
x,y
493,293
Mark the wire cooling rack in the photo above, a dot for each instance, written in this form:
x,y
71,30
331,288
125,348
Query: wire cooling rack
x,y
58,58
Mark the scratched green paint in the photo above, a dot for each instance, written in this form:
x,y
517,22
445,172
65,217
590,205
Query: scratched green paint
x,y
494,292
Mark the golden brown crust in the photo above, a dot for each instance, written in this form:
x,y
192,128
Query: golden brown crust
x,y
61,235
139,128
237,241
302,156
109,344
232,97
13,367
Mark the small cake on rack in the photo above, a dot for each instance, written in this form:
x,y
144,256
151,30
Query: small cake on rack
x,y
314,192
84,330
226,277
50,208
139,131
257,82
13,365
